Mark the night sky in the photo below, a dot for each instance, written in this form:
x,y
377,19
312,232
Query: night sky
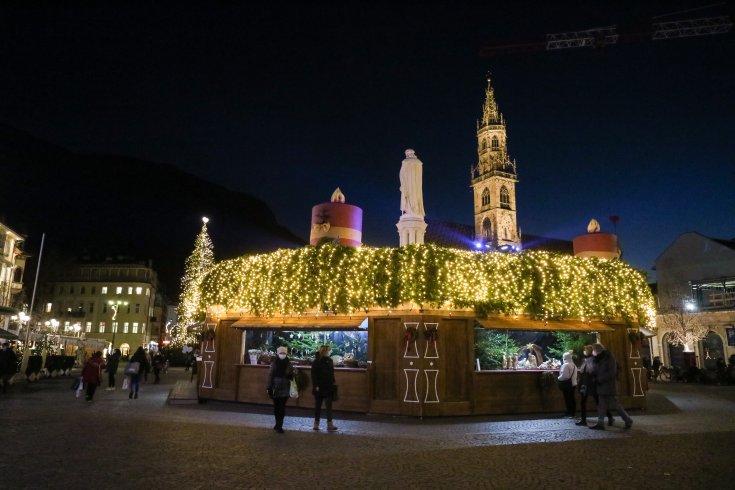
x,y
287,103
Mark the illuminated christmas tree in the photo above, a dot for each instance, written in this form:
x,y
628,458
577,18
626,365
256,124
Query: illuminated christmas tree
x,y
197,265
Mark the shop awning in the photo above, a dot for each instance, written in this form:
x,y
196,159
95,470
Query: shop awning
x,y
509,323
304,322
4,334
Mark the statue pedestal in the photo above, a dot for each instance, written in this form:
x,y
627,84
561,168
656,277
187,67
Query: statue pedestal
x,y
411,229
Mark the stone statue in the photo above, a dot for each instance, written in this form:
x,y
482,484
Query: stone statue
x,y
412,201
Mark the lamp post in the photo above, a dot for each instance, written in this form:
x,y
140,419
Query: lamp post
x,y
115,305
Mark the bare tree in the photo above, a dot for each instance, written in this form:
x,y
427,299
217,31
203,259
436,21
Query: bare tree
x,y
681,321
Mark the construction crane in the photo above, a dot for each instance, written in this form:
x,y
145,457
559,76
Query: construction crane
x,y
600,37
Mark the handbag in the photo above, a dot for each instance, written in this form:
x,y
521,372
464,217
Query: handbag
x,y
335,393
126,383
75,383
293,391
132,368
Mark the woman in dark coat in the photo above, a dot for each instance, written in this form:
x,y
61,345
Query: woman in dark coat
x,y
92,374
113,361
143,368
279,385
322,380
588,385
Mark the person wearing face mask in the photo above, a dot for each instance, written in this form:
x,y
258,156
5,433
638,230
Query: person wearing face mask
x,y
322,380
606,371
279,383
588,385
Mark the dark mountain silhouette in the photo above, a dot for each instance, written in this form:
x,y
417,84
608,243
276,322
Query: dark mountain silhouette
x,y
98,206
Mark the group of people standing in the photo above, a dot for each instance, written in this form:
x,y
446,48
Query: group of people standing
x,y
323,384
138,365
596,378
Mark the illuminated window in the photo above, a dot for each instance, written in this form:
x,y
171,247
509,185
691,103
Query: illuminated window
x,y
118,290
67,326
130,289
139,290
135,327
104,290
102,327
495,143
504,198
49,307
126,327
147,291
88,327
486,197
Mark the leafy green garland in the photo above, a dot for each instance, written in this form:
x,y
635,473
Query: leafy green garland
x,y
334,278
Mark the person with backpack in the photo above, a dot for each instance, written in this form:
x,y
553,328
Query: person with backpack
x,y
92,374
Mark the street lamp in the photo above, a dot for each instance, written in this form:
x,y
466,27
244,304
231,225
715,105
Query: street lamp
x,y
115,305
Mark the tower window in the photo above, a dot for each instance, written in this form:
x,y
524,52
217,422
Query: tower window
x,y
486,197
486,228
504,198
484,145
495,143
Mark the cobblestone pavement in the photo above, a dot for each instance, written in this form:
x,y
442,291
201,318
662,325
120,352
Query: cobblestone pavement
x,y
50,439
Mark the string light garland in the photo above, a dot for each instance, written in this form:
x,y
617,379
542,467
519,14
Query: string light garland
x,y
339,279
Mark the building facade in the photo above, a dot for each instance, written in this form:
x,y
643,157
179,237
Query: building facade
x,y
696,291
118,302
12,265
494,181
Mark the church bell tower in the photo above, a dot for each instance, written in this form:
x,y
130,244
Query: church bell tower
x,y
494,181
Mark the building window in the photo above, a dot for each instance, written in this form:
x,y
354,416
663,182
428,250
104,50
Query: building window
x,y
102,327
147,291
114,326
104,307
126,327
118,290
71,289
137,307
495,143
484,144
67,326
135,327
130,289
128,307
49,307
61,289
91,307
485,197
94,290
83,290
104,290
88,327
486,229
504,198
139,290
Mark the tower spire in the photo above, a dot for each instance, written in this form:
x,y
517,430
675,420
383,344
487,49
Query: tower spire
x,y
490,113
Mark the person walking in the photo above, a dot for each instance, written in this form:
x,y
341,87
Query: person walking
x,y
92,374
113,361
587,386
568,383
8,365
322,381
157,366
143,368
606,373
279,384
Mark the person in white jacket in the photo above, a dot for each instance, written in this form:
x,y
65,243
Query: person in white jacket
x,y
568,383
